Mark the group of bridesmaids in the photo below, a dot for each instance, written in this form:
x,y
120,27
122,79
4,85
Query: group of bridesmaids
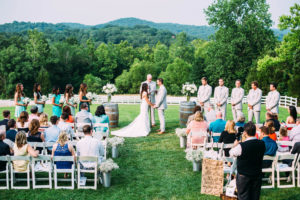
x,y
55,99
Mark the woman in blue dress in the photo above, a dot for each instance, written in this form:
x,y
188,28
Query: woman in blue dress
x,y
82,96
69,96
56,109
38,98
19,97
100,117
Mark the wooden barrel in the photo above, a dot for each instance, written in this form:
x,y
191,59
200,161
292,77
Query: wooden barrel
x,y
112,111
186,109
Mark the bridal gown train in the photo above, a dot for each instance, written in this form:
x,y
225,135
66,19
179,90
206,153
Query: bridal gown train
x,y
139,127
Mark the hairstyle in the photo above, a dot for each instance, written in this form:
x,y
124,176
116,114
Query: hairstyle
x,y
221,79
83,106
275,116
53,119
64,116
67,109
11,123
144,89
86,129
204,78
161,80
270,124
19,91
100,111
2,134
274,84
197,108
269,115
43,119
241,117
69,90
34,126
255,83
21,139
62,138
83,88
34,109
5,113
293,112
283,131
198,116
265,130
239,80
229,127
36,90
250,129
55,90
23,118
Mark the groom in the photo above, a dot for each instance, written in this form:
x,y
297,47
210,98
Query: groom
x,y
161,104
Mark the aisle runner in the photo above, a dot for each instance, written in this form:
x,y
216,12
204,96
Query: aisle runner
x,y
212,177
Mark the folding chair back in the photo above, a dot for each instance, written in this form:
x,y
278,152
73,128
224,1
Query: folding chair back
x,y
40,164
200,141
13,172
285,168
56,171
87,164
6,171
48,145
269,170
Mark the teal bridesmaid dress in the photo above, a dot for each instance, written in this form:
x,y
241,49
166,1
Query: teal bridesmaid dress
x,y
56,110
39,106
20,109
84,98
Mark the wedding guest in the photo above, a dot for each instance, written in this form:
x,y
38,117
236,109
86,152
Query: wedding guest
x,y
44,121
283,136
57,106
240,120
204,94
270,116
197,129
34,114
191,117
82,96
295,132
228,136
22,122
52,133
270,125
84,116
217,126
6,116
291,119
210,115
249,155
100,117
64,126
19,97
34,135
254,102
4,150
69,96
38,98
21,148
67,110
270,144
11,133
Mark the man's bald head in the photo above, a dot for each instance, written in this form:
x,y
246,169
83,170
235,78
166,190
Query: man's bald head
x,y
149,77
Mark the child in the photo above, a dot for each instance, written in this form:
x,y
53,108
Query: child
x,y
283,136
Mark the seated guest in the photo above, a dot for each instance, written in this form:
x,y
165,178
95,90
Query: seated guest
x,y
52,133
89,146
34,114
11,133
191,117
22,122
270,125
211,114
295,132
100,117
44,121
21,148
217,126
6,115
228,136
291,119
70,119
83,116
198,129
64,126
34,135
270,116
283,136
240,120
270,144
4,150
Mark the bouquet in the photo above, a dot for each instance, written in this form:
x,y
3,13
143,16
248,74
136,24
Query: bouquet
x,y
194,155
109,89
76,99
115,141
44,98
108,165
26,100
180,132
62,100
188,89
91,96
211,154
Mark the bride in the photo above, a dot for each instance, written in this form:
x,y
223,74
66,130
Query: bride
x,y
141,125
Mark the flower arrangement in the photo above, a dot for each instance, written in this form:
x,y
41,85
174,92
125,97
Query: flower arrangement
x,y
188,89
109,89
44,98
75,99
91,96
194,155
26,100
115,141
211,154
108,165
180,132
62,100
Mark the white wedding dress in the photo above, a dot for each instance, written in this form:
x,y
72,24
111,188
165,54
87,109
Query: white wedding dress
x,y
140,127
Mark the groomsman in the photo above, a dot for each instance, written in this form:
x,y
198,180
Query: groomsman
x,y
161,105
204,93
221,96
237,96
254,102
273,98
151,92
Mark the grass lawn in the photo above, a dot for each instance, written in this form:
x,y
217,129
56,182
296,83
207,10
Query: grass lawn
x,y
152,167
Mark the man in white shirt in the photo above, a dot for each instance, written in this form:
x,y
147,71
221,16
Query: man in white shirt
x,y
295,132
237,96
272,100
204,94
64,126
210,115
254,102
83,116
221,96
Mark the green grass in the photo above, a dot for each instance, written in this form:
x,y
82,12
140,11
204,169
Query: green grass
x,y
152,167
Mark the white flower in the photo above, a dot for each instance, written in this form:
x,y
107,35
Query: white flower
x,y
62,100
115,141
108,165
109,88
76,99
194,155
26,100
188,89
44,98
180,132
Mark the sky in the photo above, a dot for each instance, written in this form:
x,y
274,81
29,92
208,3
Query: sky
x,y
92,12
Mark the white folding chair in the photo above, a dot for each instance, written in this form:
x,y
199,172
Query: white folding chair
x,y
78,129
203,134
92,163
280,167
71,171
41,164
9,143
48,145
36,145
298,171
289,144
229,169
98,134
269,170
224,146
6,171
215,135
13,172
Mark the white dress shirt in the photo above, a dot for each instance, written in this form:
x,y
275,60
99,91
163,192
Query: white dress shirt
x,y
295,134
64,126
237,150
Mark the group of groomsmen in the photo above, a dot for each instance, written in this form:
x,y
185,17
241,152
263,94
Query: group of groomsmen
x,y
254,96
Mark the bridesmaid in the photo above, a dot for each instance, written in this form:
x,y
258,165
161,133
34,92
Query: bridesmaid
x,y
69,100
38,98
82,97
19,97
56,109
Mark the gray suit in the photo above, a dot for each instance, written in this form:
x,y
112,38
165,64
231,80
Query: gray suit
x,y
254,99
151,91
237,96
221,95
204,94
161,104
272,101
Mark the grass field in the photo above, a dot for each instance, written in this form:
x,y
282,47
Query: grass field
x,y
152,167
